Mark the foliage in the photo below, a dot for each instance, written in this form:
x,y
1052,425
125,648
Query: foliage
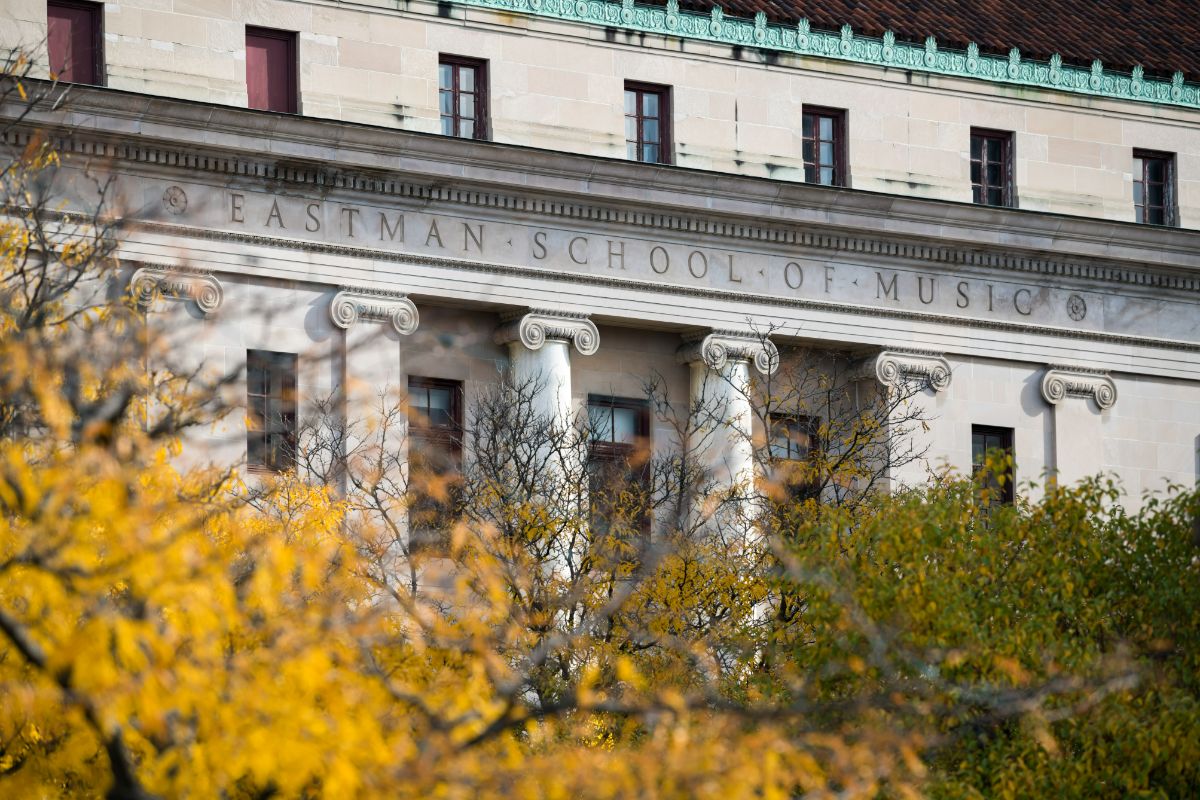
x,y
171,630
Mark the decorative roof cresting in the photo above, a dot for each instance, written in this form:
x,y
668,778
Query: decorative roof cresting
x,y
845,45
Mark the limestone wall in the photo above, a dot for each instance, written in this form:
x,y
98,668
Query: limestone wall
x,y
559,85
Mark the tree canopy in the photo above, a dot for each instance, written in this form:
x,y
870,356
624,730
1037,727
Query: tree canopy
x,y
169,630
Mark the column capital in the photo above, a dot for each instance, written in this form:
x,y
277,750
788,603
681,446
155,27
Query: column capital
x,y
533,328
1060,382
894,367
351,304
717,348
202,288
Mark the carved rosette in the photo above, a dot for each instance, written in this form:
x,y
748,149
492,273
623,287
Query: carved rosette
x,y
718,348
199,287
350,305
896,367
1060,383
535,328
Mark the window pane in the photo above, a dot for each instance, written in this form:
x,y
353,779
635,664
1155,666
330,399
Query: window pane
x,y
808,149
631,151
976,172
650,131
447,102
827,153
600,422
976,147
650,104
977,193
466,106
807,126
1155,169
466,128
995,197
1140,215
466,79
447,126
440,406
71,41
1138,193
630,129
994,147
650,153
994,174
1156,215
827,176
810,173
624,425
445,76
630,102
1155,194
826,127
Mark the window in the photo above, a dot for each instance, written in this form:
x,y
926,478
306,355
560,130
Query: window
x,y
991,168
794,446
75,42
271,70
462,91
824,146
985,440
1153,187
647,123
618,477
434,460
271,406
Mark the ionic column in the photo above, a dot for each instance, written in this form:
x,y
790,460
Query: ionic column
x,y
722,430
906,375
1078,399
539,345
373,322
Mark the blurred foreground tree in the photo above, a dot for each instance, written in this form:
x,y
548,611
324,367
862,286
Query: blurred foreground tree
x,y
171,632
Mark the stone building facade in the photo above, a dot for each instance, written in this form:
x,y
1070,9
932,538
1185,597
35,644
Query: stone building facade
x,y
1011,221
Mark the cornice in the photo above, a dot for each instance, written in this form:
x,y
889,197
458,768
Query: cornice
x,y
833,220
845,45
1061,382
538,326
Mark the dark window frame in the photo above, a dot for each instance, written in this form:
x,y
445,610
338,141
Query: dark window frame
x,y
666,148
603,452
449,440
277,459
98,60
293,69
1005,436
483,125
1008,184
841,161
1169,207
812,427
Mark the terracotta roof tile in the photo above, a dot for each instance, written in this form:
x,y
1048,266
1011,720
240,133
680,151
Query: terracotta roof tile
x,y
1161,35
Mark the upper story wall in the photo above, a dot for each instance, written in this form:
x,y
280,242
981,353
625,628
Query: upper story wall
x,y
559,85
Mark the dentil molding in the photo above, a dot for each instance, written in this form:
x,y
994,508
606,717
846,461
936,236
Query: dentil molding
x,y
1060,383
203,289
534,328
718,348
896,367
351,304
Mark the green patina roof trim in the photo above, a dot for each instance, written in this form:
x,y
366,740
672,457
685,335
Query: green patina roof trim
x,y
848,46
